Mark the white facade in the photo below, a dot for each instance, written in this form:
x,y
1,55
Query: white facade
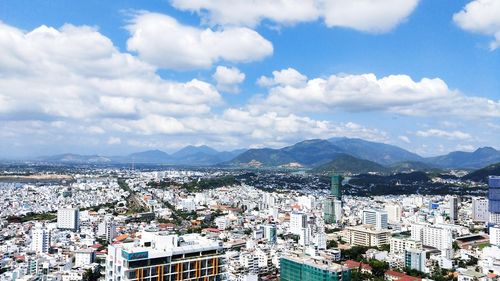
x,y
393,213
495,235
433,236
107,229
84,257
68,218
40,239
298,221
376,218
480,209
398,245
415,259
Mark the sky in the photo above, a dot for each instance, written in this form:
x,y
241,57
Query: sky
x,y
115,77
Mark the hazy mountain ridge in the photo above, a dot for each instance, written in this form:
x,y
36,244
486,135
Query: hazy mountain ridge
x,y
308,153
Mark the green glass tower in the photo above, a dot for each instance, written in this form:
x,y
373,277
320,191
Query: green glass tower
x,y
308,269
336,187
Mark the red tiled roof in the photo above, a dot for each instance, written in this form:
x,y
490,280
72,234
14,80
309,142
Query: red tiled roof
x,y
401,276
354,264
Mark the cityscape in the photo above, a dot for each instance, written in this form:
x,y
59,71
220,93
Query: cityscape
x,y
250,140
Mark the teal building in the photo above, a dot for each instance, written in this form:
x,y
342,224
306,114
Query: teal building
x,y
305,268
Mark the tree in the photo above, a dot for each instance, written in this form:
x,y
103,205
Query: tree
x,y
378,267
332,244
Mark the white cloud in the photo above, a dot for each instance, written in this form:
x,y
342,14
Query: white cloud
x,y
481,16
114,141
284,77
363,15
76,72
164,42
453,135
465,147
355,93
368,15
228,79
405,139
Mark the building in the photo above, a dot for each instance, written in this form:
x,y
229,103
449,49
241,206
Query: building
x,y
376,218
84,257
393,213
366,235
398,244
480,209
415,259
332,210
163,256
494,199
107,229
298,221
495,235
269,231
68,218
336,187
438,237
40,239
453,205
305,268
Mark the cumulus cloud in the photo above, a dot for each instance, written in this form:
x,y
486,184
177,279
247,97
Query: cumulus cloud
x,y
76,72
452,135
366,92
481,16
70,87
228,79
164,42
363,15
405,139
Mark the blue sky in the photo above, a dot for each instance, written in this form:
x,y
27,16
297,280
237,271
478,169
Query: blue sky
x,y
113,77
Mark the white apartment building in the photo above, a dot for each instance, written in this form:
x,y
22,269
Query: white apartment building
x,y
298,221
495,235
438,237
40,239
480,209
398,244
68,218
84,257
393,213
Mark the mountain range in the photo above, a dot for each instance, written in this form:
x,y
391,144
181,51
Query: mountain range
x,y
360,155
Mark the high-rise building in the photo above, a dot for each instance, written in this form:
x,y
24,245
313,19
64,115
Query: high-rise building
x,y
332,210
40,239
438,237
306,268
298,221
415,259
495,235
376,218
162,256
68,218
480,209
107,229
336,186
494,199
269,232
393,213
453,205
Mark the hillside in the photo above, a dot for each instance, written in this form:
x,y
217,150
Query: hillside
x,y
481,175
384,154
473,160
344,163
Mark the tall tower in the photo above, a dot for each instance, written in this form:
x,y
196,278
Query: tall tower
x,y
336,186
332,206
453,209
494,199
